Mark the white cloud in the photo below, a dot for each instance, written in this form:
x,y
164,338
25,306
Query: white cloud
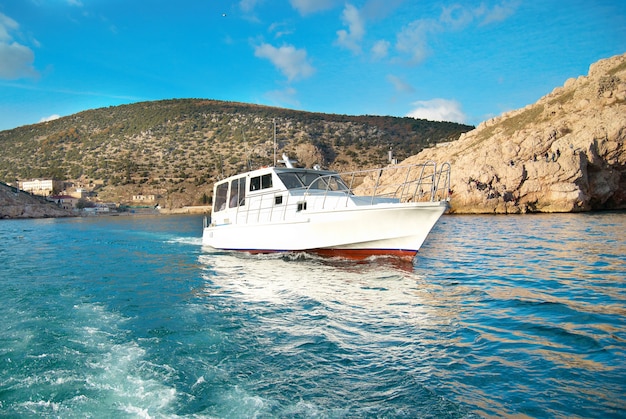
x,y
292,62
7,24
413,39
399,84
305,7
49,118
280,29
286,97
351,38
380,9
457,16
16,60
438,110
247,5
380,49
500,12
77,3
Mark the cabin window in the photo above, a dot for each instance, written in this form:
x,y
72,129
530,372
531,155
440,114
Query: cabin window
x,y
309,178
237,192
255,183
300,180
261,182
290,180
266,181
312,180
336,184
278,199
220,196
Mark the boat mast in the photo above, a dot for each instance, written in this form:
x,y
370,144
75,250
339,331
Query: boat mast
x,y
274,142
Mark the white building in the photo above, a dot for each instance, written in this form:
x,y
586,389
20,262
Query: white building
x,y
144,198
43,187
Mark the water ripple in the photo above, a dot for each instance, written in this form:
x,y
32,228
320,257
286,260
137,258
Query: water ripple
x,y
498,317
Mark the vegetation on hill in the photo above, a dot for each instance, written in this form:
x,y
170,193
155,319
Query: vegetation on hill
x,y
175,149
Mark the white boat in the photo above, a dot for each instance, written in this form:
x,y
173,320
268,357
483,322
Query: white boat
x,y
279,209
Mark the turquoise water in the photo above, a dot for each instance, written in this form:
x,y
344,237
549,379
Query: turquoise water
x,y
499,316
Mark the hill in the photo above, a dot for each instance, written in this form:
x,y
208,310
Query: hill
x,y
564,153
175,149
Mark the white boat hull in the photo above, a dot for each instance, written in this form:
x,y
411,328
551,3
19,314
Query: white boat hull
x,y
397,229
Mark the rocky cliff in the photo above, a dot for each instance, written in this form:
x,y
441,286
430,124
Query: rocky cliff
x,y
564,153
22,205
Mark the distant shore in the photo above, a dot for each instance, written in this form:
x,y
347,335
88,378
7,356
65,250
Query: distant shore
x,y
198,209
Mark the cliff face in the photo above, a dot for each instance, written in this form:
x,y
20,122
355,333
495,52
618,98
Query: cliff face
x,y
22,205
564,153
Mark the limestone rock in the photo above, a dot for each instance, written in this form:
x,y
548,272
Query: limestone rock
x,y
22,205
308,155
564,153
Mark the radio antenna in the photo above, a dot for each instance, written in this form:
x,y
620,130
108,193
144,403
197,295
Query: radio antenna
x,y
274,142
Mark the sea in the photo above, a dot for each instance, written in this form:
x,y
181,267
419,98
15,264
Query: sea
x,y
130,317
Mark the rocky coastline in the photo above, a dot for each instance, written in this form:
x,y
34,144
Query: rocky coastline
x,y
15,204
564,153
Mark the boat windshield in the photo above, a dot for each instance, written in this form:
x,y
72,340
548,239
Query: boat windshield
x,y
312,180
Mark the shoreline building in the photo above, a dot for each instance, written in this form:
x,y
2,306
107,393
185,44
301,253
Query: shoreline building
x,y
42,187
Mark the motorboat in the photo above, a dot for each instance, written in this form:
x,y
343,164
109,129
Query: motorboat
x,y
388,211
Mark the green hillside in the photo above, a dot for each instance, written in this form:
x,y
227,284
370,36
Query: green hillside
x,y
175,149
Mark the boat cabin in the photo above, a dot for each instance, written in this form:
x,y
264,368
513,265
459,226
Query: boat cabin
x,y
261,194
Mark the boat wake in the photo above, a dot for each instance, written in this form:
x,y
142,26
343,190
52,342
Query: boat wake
x,y
371,262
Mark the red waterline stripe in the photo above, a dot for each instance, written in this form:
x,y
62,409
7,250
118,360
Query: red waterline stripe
x,y
359,254
353,254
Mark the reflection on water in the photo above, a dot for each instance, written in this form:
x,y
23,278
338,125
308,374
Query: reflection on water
x,y
552,308
357,330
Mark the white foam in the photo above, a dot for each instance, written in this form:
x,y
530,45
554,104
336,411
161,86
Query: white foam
x,y
195,241
40,406
117,371
199,381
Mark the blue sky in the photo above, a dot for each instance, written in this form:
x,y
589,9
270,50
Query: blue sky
x,y
462,61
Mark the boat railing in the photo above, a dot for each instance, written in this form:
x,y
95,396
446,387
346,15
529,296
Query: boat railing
x,y
263,207
424,182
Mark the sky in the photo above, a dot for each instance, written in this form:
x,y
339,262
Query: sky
x,y
445,60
